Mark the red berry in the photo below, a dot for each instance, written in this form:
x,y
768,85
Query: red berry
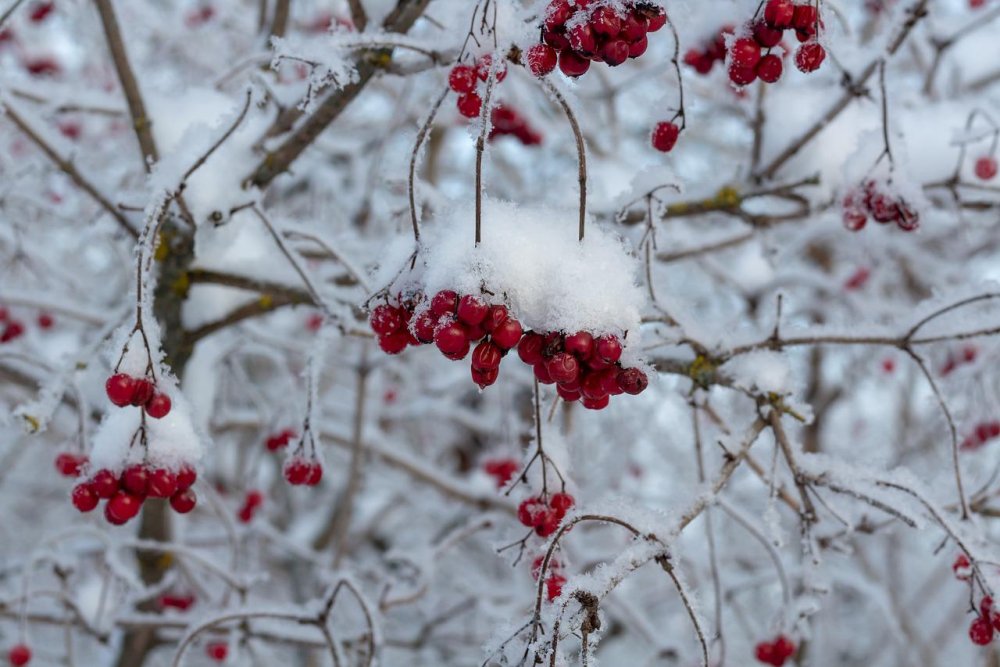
x,y
605,21
580,344
784,648
104,483
462,79
981,632
595,404
542,59
557,14
503,470
764,652
770,68
451,340
592,386
701,62
182,602
183,501
135,480
548,525
563,368
632,381
217,651
615,52
314,474
40,11
637,48
13,330
609,348
657,20
633,28
542,373
571,64
444,303
529,349
486,356
186,477
665,136
395,342
162,483
986,168
484,65
45,321
854,219
120,388
531,512
557,40
742,76
386,319
568,395
84,497
484,377
553,586
582,39
765,35
122,507
159,406
19,655
805,17
68,464
472,310
424,325
962,568
507,334
143,391
561,502
469,105
809,57
779,13
745,53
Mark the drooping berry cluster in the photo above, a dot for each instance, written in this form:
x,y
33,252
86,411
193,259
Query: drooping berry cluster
x,y
466,79
302,471
775,652
584,31
179,601
986,624
582,367
712,51
986,167
253,501
506,121
502,470
124,390
279,440
882,206
983,433
128,490
544,513
751,57
12,328
554,580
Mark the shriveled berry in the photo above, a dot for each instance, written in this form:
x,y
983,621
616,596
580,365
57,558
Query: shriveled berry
x,y
158,407
557,40
122,507
462,79
665,136
84,497
162,483
119,388
184,501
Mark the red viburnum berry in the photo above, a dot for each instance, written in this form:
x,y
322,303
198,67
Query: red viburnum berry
x,y
530,512
764,652
665,136
19,655
579,344
765,35
13,330
181,602
217,651
104,483
40,11
472,310
529,348
395,342
742,76
582,39
84,498
605,21
986,168
595,404
571,64
633,28
469,105
784,648
558,12
542,373
424,326
484,377
45,321
609,348
805,17
502,470
553,586
632,381
143,391
557,40
592,386
981,631
186,477
563,368
162,483
486,356
770,68
444,303
542,59
561,502
568,395
508,334
638,47
119,388
779,13
158,406
315,474
386,319
745,52
962,568
484,65
462,79
296,471
615,52
68,464
657,20
122,507
184,501
809,57
451,340
135,480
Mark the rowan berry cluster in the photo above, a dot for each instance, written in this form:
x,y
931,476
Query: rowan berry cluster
x,y
544,513
882,206
751,57
466,80
126,491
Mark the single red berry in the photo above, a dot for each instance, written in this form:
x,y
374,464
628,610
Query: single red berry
x,y
765,35
486,356
68,464
558,12
784,648
135,480
469,105
296,471
542,373
529,348
119,388
217,651
502,470
563,368
809,57
122,507
507,334
542,59
615,52
764,652
19,655
451,340
473,332
605,21
770,68
595,404
444,303
395,342
592,386
638,47
159,406
162,483
981,632
571,64
13,330
183,501
742,76
779,13
744,52
186,477
582,39
315,474
424,325
484,377
805,17
553,586
561,502
45,321
557,40
986,168
580,344
549,523
568,395
40,11
665,136
104,483
386,319
633,28
530,512
484,65
84,497
657,20
142,392
462,79
472,310
632,381
609,348
496,316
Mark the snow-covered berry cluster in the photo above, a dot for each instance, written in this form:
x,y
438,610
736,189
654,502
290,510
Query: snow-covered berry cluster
x,y
750,55
124,390
279,440
302,471
507,121
501,470
580,32
554,580
128,490
466,80
775,652
582,367
883,207
544,513
986,624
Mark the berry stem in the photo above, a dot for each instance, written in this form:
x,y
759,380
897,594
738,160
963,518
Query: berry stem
x,y
411,182
581,151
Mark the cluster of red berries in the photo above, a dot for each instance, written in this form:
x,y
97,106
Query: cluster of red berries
x,y
302,471
750,57
181,602
19,655
883,207
584,31
554,581
506,121
983,433
986,168
544,514
465,80
502,470
279,440
986,623
775,652
253,501
582,367
453,323
12,328
124,390
712,51
966,355
127,491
